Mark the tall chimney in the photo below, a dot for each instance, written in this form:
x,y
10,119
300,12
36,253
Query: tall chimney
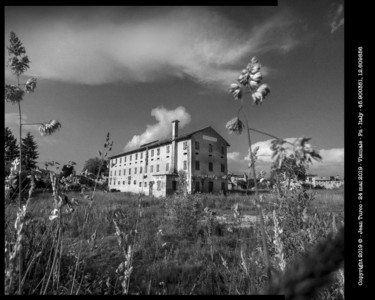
x,y
174,146
175,129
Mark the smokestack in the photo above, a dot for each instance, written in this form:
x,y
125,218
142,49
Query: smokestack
x,y
175,129
174,146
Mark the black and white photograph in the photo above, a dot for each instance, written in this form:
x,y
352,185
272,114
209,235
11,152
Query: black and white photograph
x,y
182,150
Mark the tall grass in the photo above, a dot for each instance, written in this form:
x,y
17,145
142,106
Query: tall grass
x,y
178,245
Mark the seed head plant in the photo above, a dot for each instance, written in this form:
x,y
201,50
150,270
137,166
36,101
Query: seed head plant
x,y
19,63
250,82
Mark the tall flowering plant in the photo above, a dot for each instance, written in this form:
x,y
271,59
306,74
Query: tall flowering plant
x,y
250,82
18,63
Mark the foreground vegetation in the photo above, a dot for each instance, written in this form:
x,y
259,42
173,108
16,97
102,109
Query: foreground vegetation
x,y
177,245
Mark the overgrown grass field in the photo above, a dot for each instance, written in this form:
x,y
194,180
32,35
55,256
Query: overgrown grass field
x,y
185,244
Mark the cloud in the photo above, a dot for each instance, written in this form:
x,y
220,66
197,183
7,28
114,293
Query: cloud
x,y
332,156
162,129
337,17
332,162
135,45
233,155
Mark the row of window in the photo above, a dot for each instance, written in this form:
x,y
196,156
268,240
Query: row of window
x,y
198,186
210,166
197,167
152,152
158,183
197,146
140,170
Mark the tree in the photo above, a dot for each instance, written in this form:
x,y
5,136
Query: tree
x,y
11,151
67,169
30,152
290,170
92,166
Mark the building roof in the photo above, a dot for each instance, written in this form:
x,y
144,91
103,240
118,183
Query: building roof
x,y
159,143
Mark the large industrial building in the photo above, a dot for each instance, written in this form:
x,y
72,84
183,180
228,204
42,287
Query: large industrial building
x,y
153,168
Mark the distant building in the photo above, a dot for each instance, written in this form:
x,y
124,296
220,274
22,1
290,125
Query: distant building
x,y
153,168
324,182
237,182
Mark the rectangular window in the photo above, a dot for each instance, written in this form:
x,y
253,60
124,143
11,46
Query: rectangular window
x,y
120,159
145,184
111,173
222,168
130,157
141,155
135,170
210,166
124,172
196,145
124,158
158,151
140,184
152,169
185,164
167,167
110,181
167,149
119,173
136,156
123,183
157,168
130,171
152,152
115,173
135,181
209,148
145,169
197,166
222,150
140,170
184,146
158,185
129,179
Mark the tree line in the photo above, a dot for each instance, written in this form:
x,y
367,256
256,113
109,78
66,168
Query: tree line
x,y
30,155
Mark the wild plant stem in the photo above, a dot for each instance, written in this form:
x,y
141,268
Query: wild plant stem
x,y
262,226
19,193
85,224
54,260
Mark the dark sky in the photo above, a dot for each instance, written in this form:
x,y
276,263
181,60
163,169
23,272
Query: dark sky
x,y
130,71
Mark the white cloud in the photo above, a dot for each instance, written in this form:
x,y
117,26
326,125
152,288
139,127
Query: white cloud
x,y
196,42
334,155
163,127
337,18
332,162
233,155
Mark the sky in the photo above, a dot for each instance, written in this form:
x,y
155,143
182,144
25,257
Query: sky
x,y
130,71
